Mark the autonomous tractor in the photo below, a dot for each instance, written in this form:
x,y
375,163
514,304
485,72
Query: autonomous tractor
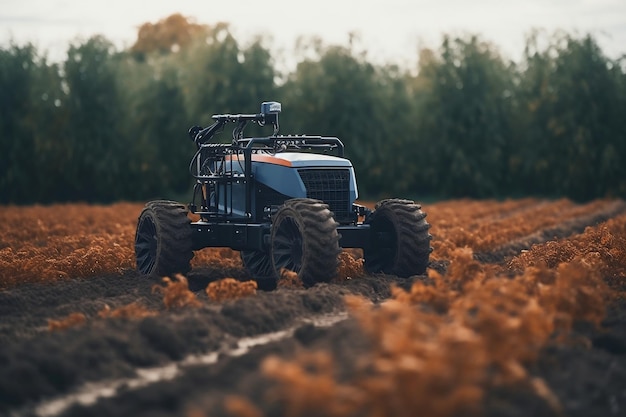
x,y
285,202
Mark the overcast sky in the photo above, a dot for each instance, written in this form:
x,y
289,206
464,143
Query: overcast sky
x,y
392,30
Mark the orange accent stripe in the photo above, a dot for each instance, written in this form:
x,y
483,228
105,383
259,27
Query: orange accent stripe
x,y
269,159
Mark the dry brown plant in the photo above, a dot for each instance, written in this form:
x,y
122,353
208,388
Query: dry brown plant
x,y
602,248
484,226
349,267
72,320
289,279
176,293
438,346
230,289
48,243
134,310
418,362
308,386
217,257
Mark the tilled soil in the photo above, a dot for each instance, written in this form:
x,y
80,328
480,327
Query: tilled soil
x,y
189,361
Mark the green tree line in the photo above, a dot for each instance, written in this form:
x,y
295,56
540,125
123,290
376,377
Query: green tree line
x,y
108,125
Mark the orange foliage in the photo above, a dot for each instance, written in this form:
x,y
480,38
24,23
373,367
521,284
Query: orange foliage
x,y
419,362
438,346
167,34
484,226
602,247
134,310
349,267
48,243
72,320
40,244
176,293
309,387
289,279
230,289
217,258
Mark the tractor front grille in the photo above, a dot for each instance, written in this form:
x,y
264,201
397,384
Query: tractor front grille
x,y
332,186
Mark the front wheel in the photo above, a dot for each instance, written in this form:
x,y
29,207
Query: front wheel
x,y
400,243
304,240
163,240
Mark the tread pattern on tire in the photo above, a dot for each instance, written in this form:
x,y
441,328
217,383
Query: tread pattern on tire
x,y
174,237
412,239
320,239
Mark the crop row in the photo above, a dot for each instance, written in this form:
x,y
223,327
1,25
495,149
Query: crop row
x,y
46,243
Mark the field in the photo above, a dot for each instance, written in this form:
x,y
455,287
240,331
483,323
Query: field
x,y
522,312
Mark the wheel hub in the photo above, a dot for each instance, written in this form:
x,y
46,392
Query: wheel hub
x,y
287,250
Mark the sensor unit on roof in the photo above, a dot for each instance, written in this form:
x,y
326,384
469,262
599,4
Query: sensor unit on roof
x,y
269,107
270,111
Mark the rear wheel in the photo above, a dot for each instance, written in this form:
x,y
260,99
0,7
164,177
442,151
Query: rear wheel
x,y
304,240
400,243
163,241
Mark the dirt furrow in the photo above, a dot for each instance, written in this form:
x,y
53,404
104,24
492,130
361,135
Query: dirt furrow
x,y
206,390
90,393
38,364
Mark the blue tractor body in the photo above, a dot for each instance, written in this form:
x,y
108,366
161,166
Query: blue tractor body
x,y
286,175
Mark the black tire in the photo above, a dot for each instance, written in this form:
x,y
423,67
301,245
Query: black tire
x,y
260,266
163,240
304,240
400,243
